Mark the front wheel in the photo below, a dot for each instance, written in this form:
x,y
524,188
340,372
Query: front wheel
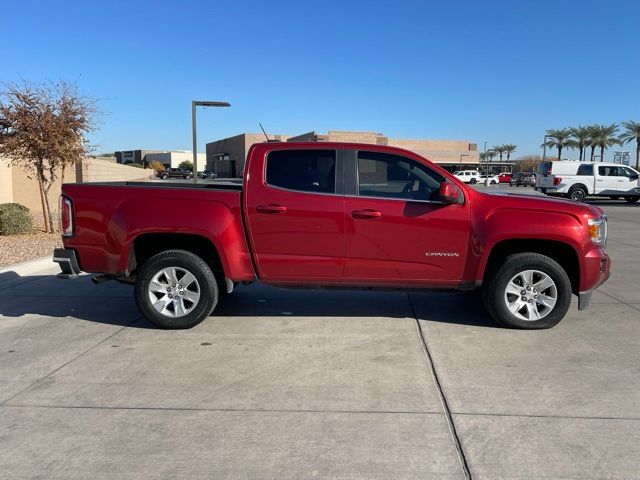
x,y
473,181
176,289
529,291
577,194
632,199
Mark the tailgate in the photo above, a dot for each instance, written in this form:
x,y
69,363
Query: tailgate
x,y
544,181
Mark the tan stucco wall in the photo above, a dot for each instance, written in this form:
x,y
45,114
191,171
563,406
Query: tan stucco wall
x,y
6,184
96,170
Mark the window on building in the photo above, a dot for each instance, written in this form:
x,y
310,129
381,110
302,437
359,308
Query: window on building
x,y
303,170
585,170
393,176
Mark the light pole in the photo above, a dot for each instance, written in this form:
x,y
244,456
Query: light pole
x,y
194,104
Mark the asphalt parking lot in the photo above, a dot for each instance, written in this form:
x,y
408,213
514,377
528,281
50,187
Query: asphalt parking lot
x,y
296,384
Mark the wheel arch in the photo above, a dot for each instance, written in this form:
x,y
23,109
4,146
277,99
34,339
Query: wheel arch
x,y
562,252
148,244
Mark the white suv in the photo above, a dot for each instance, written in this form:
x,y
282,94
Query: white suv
x,y
468,176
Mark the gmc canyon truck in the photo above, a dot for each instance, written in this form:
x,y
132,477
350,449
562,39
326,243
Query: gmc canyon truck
x,y
333,215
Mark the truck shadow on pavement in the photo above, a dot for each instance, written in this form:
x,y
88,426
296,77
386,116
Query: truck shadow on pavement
x,y
112,303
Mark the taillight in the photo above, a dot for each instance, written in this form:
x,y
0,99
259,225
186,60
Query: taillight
x,y
66,217
557,180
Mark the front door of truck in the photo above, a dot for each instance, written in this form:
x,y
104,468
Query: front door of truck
x,y
616,179
398,232
295,217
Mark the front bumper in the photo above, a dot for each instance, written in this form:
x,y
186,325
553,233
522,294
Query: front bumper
x,y
68,261
596,270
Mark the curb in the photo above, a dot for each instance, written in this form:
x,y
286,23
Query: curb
x,y
30,267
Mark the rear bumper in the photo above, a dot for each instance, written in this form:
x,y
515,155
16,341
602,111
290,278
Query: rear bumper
x,y
68,261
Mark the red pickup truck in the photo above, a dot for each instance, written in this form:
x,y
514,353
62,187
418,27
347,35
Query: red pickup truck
x,y
333,215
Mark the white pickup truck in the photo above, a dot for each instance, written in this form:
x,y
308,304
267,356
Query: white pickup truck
x,y
577,180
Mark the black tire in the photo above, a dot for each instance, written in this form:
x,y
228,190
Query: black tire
x,y
473,181
163,177
631,199
208,288
578,194
493,290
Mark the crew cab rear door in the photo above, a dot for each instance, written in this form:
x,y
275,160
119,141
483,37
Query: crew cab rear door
x,y
294,209
398,232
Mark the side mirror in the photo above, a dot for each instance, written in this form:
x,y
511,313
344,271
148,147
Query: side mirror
x,y
450,193
634,176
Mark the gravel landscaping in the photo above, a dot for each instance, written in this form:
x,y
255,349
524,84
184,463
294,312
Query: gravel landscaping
x,y
21,248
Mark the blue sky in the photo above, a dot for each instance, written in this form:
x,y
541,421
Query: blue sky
x,y
495,71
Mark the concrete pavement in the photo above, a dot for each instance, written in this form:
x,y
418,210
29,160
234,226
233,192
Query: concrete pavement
x,y
297,384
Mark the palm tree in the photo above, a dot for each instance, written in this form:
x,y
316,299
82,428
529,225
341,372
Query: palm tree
x,y
581,139
605,137
499,149
631,133
490,154
509,148
559,139
592,142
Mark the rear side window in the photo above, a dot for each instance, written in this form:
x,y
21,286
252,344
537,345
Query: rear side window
x,y
585,170
610,171
303,170
545,168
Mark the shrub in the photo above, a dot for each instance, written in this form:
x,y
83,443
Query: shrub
x,y
15,219
157,166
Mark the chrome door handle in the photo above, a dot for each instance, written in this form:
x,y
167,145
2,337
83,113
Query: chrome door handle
x,y
366,213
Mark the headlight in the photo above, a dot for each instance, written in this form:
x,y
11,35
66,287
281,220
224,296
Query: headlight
x,y
598,230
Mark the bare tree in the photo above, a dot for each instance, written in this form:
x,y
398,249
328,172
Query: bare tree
x,y
42,130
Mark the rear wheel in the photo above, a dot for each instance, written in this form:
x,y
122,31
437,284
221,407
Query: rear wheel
x,y
176,289
577,194
530,291
473,181
632,199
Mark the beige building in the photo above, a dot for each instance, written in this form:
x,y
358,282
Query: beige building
x,y
16,186
226,157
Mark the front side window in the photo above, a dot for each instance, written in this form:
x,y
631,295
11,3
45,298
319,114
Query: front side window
x,y
392,176
302,170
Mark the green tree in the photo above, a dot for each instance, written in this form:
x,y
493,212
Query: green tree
x,y
592,142
581,139
186,165
509,148
43,129
631,133
499,149
605,137
558,139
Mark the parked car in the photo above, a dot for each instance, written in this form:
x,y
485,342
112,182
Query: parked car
x,y
493,179
207,174
176,173
505,177
522,178
577,180
468,176
337,215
